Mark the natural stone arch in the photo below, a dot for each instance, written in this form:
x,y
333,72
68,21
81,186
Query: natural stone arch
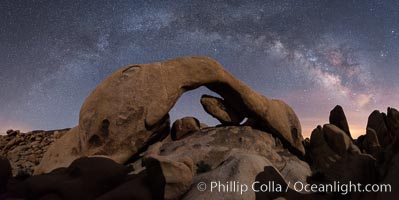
x,y
134,101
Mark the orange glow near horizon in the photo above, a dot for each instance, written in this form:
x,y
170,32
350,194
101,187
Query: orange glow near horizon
x,y
4,126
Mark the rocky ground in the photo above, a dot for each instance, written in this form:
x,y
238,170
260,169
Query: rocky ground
x,y
129,150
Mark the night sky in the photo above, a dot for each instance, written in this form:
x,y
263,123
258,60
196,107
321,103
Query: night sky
x,y
311,54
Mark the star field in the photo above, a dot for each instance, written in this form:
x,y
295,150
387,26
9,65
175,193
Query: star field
x,y
311,54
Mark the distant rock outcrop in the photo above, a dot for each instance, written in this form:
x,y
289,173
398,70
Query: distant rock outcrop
x,y
25,150
338,118
370,143
334,155
377,122
393,121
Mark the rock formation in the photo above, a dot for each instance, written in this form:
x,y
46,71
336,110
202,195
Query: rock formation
x,y
334,157
370,143
184,126
25,150
130,108
124,147
172,169
231,153
220,110
338,118
393,122
377,122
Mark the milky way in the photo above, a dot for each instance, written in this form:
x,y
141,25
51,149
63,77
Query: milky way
x,y
312,54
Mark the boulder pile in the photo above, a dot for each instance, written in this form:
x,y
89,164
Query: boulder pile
x,y
335,156
25,150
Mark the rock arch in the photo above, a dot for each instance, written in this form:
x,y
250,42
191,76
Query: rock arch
x,y
134,101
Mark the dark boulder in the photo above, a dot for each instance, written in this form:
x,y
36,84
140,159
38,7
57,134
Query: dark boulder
x,y
85,178
377,121
5,174
338,118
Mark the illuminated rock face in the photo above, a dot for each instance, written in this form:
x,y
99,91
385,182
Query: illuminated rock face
x,y
129,110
